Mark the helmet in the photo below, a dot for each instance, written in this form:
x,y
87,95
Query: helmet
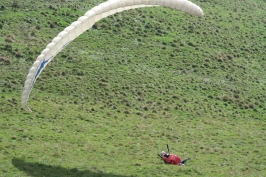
x,y
163,153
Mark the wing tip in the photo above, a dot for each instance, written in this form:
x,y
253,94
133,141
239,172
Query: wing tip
x,y
26,108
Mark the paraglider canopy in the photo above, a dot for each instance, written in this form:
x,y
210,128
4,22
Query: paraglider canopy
x,y
86,22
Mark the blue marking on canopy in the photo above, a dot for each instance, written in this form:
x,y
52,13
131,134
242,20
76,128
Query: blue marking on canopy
x,y
42,66
65,45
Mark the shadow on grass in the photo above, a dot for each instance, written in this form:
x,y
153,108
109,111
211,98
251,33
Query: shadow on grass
x,y
38,169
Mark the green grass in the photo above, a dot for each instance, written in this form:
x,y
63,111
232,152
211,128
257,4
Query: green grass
x,y
138,80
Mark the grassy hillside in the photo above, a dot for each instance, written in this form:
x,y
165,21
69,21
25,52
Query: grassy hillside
x,y
138,80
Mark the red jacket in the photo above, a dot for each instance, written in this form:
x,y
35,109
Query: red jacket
x,y
172,159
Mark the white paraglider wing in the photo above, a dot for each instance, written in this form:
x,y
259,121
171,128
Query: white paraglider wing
x,y
86,22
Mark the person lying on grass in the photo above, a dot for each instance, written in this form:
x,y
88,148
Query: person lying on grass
x,y
172,159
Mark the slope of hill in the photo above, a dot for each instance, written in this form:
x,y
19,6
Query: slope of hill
x,y
140,79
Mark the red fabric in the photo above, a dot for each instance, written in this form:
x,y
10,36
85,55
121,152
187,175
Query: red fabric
x,y
172,159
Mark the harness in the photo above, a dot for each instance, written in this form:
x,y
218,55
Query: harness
x,y
171,159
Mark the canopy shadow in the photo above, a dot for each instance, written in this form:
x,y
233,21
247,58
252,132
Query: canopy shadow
x,y
38,169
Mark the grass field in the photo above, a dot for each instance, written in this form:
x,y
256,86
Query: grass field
x,y
138,80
